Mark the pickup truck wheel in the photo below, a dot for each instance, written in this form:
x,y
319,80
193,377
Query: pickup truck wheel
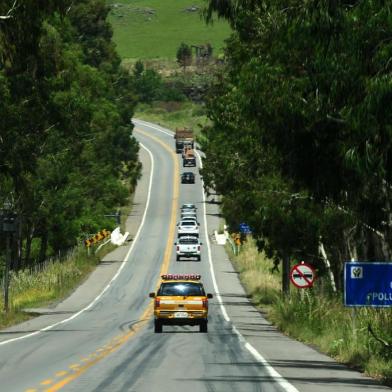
x,y
157,326
178,258
198,258
203,327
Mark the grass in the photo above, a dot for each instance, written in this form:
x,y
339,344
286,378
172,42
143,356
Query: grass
x,y
146,29
55,280
255,272
319,319
173,114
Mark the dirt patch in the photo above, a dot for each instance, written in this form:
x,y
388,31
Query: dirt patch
x,y
192,8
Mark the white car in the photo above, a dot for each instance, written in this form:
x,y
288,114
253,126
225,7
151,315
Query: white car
x,y
190,218
188,246
188,227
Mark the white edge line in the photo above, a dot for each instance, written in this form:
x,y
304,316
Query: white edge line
x,y
49,327
279,379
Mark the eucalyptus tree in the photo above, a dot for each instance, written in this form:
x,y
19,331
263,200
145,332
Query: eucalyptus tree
x,y
66,134
306,84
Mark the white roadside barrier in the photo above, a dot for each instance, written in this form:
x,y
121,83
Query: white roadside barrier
x,y
117,238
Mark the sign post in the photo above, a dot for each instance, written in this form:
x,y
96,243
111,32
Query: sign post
x,y
245,228
302,275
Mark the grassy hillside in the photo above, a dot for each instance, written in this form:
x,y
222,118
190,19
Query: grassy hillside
x,y
146,29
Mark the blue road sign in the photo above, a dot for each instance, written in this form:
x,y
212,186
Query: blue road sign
x,y
245,228
368,284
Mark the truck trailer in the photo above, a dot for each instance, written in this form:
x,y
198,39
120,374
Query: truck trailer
x,y
183,137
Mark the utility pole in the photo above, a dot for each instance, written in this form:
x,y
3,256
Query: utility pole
x,y
8,225
7,271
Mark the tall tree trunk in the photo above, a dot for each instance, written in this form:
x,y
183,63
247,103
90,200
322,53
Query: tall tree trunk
x,y
327,266
386,243
8,257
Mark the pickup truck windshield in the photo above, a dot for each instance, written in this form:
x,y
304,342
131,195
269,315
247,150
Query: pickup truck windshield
x,y
181,289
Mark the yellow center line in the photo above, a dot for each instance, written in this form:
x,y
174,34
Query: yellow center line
x,y
61,374
174,206
120,340
46,382
76,365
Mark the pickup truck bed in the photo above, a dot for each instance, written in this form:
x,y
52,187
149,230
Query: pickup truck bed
x,y
188,247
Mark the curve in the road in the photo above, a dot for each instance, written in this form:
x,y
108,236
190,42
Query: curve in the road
x,y
97,298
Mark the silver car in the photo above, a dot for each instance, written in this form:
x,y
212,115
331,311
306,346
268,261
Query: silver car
x,y
185,214
188,206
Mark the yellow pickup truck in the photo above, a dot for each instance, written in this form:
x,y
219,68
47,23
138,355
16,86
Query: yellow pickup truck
x,y
180,300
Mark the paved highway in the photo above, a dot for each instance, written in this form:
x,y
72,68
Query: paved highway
x,y
96,341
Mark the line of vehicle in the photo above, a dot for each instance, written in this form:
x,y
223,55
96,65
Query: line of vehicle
x,y
278,378
115,345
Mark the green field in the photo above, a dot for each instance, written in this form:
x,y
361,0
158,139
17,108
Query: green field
x,y
146,29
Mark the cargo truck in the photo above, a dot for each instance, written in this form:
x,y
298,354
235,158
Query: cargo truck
x,y
189,158
183,137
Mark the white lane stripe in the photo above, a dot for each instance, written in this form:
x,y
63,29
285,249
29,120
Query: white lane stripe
x,y
278,378
49,327
214,282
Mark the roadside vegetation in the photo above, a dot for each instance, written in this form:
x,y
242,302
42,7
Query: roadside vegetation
x,y
48,282
317,317
300,145
171,96
67,156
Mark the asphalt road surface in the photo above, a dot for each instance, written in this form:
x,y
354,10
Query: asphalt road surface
x,y
101,338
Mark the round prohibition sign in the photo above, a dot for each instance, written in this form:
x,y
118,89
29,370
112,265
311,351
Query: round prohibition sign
x,y
302,275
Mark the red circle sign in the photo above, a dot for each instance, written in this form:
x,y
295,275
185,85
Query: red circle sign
x,y
302,275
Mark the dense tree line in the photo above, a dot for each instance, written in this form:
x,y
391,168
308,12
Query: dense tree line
x,y
301,142
67,155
